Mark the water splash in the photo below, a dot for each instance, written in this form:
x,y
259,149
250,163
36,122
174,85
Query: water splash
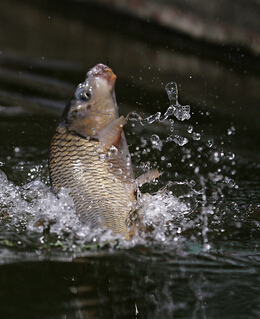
x,y
175,109
32,216
151,119
168,215
45,219
180,140
181,112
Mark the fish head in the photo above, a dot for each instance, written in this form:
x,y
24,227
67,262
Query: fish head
x,y
93,105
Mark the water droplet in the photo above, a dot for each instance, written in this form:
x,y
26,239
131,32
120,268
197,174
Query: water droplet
x,y
230,155
210,143
171,121
172,91
113,150
156,142
180,140
216,157
190,129
229,181
196,170
155,139
196,136
169,112
182,112
231,130
152,118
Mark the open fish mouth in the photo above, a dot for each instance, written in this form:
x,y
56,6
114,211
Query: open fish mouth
x,y
103,71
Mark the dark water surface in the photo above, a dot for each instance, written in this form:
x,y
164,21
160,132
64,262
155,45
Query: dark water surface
x,y
200,257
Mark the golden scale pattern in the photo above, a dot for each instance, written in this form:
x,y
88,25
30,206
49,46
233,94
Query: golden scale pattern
x,y
99,195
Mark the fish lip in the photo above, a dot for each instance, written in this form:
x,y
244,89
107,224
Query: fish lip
x,y
103,71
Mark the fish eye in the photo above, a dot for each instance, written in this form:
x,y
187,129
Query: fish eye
x,y
83,96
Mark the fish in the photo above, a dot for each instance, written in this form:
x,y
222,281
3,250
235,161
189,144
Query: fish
x,y
89,156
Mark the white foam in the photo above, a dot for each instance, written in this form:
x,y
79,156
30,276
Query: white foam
x,y
35,209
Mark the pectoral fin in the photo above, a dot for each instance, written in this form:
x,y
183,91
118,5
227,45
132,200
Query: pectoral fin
x,y
147,177
111,134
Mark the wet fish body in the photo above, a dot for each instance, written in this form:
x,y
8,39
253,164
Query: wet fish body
x,y
101,197
89,155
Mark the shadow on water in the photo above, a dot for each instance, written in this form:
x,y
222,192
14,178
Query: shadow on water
x,y
200,257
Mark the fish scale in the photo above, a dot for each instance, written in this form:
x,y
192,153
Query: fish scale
x,y
89,180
